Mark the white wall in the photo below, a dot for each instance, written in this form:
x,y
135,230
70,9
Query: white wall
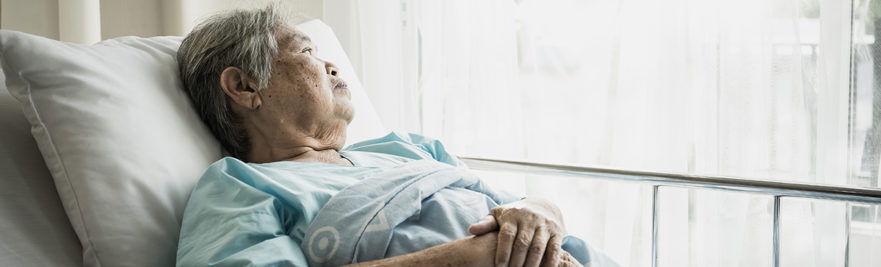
x,y
131,17
38,17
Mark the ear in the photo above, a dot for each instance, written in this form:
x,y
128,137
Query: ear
x,y
240,89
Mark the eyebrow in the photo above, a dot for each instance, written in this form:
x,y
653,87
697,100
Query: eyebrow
x,y
300,37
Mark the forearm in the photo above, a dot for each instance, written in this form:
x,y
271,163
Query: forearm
x,y
435,256
469,251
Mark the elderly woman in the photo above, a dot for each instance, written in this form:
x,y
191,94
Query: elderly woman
x,y
282,112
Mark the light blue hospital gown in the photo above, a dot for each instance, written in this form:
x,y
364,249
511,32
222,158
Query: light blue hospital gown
x,y
247,214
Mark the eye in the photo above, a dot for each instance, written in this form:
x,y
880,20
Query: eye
x,y
307,50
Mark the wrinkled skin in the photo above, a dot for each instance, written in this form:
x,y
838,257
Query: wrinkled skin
x,y
302,114
530,233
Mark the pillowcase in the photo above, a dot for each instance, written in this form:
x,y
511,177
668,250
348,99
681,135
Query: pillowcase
x,y
35,229
121,139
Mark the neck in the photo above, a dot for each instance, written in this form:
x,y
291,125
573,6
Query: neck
x,y
293,145
306,154
298,153
294,149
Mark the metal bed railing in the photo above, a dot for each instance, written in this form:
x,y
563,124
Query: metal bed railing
x,y
774,188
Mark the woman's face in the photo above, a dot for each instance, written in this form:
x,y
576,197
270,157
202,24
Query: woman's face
x,y
304,91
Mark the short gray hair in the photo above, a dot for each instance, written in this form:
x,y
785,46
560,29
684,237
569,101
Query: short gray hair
x,y
241,38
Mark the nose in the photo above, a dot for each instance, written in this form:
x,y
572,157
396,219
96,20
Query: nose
x,y
331,68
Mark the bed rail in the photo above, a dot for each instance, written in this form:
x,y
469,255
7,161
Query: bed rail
x,y
777,189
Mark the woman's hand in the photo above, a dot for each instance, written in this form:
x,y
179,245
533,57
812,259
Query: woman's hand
x,y
530,230
474,251
481,250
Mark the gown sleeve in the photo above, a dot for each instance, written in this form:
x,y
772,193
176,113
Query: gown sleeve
x,y
230,223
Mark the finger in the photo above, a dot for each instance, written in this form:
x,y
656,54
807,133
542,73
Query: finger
x,y
537,249
485,225
521,245
554,251
569,261
497,211
507,233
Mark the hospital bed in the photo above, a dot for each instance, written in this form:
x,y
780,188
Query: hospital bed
x,y
66,198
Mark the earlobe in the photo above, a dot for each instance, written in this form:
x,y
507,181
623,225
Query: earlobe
x,y
239,88
256,101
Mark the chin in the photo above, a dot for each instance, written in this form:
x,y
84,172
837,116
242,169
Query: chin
x,y
347,114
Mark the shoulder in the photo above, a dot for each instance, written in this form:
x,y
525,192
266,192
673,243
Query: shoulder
x,y
408,145
227,167
231,173
407,138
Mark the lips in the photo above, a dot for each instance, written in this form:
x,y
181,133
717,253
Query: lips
x,y
341,85
338,83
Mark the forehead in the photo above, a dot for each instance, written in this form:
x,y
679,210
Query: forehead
x,y
287,35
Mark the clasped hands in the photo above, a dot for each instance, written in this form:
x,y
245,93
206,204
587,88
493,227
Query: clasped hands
x,y
530,233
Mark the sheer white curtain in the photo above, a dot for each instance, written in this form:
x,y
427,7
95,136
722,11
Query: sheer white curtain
x,y
436,67
751,88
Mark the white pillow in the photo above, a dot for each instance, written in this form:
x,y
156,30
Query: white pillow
x,y
35,229
121,139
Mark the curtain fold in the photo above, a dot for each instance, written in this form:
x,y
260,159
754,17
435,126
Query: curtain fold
x,y
79,21
752,88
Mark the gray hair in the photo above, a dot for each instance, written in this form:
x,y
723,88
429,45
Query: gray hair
x,y
241,38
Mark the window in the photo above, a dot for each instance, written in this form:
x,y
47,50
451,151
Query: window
x,y
763,89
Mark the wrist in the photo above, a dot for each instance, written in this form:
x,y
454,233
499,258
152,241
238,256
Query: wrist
x,y
467,251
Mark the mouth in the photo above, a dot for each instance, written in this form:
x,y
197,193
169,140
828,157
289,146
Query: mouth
x,y
341,86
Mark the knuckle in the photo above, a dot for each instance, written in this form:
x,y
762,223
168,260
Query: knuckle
x,y
507,233
515,210
556,243
522,242
556,249
535,250
496,210
541,230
